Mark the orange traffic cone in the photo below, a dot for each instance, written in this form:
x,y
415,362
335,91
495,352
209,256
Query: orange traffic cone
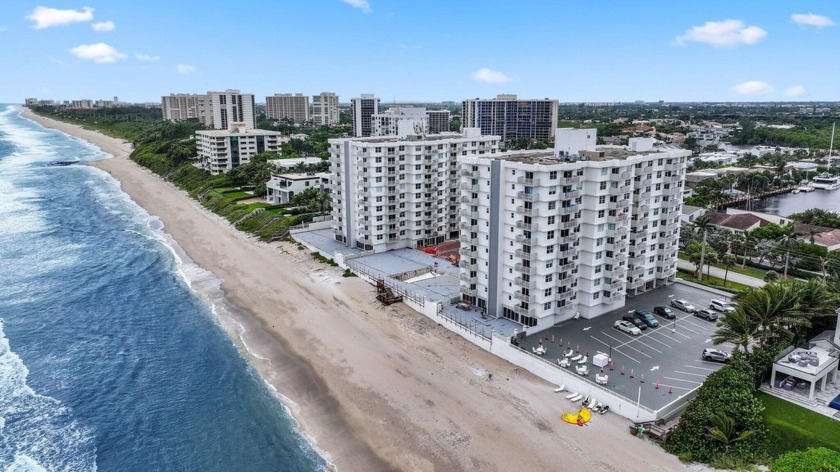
x,y
670,389
643,378
631,373
622,370
657,384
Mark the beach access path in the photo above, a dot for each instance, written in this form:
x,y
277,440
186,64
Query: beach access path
x,y
376,388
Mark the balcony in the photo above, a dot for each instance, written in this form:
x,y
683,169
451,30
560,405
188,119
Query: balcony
x,y
647,169
469,173
528,197
571,224
521,297
525,311
468,186
567,253
523,225
674,179
570,195
522,254
573,180
645,183
521,239
617,205
566,267
616,284
465,264
465,277
466,238
473,214
567,295
625,189
469,292
520,282
523,268
466,200
529,182
672,167
522,210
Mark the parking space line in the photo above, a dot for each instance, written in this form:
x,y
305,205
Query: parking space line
x,y
689,373
683,380
677,388
690,321
651,347
701,368
626,344
616,349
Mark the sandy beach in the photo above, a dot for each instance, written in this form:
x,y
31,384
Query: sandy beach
x,y
376,388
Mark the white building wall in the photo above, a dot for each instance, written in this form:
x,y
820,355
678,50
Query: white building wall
x,y
286,106
325,109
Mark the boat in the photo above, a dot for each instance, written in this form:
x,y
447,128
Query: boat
x,y
804,188
826,181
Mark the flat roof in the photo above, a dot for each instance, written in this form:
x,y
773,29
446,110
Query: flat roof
x,y
225,132
302,176
547,156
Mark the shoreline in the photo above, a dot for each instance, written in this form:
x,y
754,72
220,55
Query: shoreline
x,y
371,387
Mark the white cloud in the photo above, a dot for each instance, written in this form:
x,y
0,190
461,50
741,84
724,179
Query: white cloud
x,y
45,17
491,76
99,52
752,87
185,69
812,19
146,57
360,4
104,26
796,91
722,34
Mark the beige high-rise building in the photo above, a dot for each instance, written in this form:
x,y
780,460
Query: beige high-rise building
x,y
325,109
184,106
287,106
219,110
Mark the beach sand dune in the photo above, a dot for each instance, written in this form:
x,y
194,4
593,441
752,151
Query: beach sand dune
x,y
376,388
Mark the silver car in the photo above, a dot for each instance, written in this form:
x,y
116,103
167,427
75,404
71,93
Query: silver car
x,y
627,327
683,305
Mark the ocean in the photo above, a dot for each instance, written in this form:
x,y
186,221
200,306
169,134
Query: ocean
x,y
111,355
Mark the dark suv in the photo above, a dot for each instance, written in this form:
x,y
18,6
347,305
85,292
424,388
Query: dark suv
x,y
665,312
637,322
646,317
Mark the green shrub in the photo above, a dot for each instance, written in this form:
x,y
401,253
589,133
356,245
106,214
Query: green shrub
x,y
811,460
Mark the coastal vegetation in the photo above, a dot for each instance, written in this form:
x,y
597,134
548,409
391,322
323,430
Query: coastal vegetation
x,y
168,149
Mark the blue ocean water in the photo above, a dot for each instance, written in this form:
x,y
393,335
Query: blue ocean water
x,y
109,360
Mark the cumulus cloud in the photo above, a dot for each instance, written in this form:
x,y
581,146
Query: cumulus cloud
x,y
491,76
104,26
752,87
146,57
99,52
360,4
185,69
45,17
795,91
812,19
722,34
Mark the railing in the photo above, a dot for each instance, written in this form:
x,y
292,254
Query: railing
x,y
523,225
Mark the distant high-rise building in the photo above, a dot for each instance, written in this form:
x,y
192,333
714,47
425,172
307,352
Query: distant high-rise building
x,y
363,109
400,121
511,118
325,109
438,121
217,110
285,106
220,150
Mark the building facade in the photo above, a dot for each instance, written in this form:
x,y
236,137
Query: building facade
x,y
281,188
363,109
438,121
221,150
390,192
184,106
286,106
229,107
546,236
325,109
400,121
512,118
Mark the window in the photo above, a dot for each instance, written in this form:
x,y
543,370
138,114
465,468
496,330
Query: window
x,y
599,242
549,277
552,205
548,292
551,219
549,249
552,175
599,255
601,213
602,185
596,283
550,235
602,199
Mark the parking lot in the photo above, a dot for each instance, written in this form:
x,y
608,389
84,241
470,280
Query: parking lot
x,y
667,357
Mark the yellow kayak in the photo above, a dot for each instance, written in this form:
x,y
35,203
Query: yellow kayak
x,y
584,415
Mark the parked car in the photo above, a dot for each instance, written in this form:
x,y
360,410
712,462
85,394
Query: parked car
x,y
707,313
627,327
721,306
716,355
683,305
647,318
665,312
636,322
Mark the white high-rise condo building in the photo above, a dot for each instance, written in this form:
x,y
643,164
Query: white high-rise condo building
x,y
217,110
286,106
400,121
438,121
325,109
363,109
546,235
512,118
221,150
390,192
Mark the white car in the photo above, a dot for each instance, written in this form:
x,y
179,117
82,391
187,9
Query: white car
x,y
627,327
721,306
683,305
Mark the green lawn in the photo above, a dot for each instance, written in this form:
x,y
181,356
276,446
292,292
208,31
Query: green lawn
x,y
712,281
751,271
794,428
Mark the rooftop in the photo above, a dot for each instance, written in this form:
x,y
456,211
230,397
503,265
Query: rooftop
x,y
601,153
740,222
303,175
238,131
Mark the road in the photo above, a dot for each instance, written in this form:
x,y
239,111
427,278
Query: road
x,y
716,272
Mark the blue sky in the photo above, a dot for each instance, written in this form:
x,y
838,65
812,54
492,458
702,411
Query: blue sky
x,y
430,50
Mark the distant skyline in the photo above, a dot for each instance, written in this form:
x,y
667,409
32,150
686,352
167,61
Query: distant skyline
x,y
422,51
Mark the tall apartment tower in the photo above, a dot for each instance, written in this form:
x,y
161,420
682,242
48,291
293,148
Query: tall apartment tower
x,y
400,121
363,109
512,118
285,106
325,109
438,121
184,106
391,192
546,235
229,107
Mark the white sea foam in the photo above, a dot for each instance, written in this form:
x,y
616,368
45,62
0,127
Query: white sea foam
x,y
41,431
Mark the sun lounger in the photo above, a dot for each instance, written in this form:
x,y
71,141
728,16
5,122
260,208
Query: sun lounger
x,y
576,398
569,352
560,388
577,358
583,360
571,395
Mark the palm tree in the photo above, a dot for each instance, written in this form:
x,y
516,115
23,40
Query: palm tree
x,y
786,241
703,225
725,431
728,261
747,241
774,308
735,327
